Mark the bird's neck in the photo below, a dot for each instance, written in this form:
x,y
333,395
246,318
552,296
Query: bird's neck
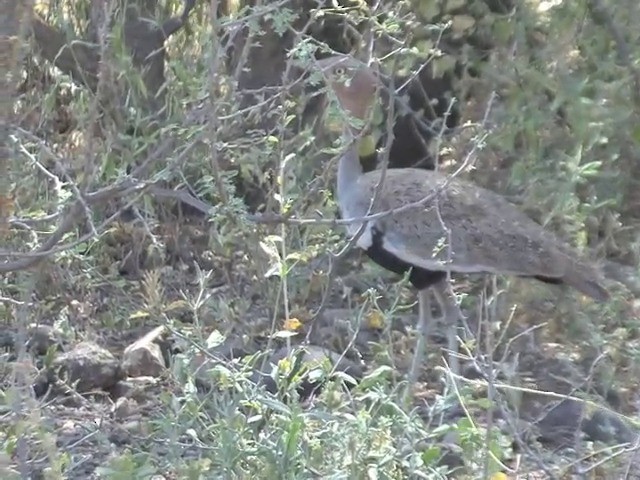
x,y
349,170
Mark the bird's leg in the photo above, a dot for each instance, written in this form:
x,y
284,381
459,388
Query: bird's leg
x,y
425,320
452,315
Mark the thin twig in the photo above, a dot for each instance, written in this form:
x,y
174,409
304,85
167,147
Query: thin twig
x,y
69,220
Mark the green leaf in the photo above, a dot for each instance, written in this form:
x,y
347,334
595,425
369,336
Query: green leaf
x,y
293,434
590,169
379,375
431,455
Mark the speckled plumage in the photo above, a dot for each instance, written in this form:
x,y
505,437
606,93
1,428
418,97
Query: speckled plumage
x,y
487,233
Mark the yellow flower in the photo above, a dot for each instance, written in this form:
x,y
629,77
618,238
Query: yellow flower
x,y
375,319
292,324
499,476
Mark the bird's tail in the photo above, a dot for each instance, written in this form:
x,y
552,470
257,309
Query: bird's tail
x,y
587,279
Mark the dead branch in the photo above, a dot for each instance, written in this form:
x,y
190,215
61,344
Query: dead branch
x,y
74,213
69,220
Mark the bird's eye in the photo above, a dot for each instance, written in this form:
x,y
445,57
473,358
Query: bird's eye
x,y
340,71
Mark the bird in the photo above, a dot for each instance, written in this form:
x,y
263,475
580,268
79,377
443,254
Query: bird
x,y
430,226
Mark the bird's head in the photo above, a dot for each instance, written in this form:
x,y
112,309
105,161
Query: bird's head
x,y
354,84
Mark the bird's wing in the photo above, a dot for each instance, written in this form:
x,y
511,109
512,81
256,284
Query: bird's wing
x,y
467,229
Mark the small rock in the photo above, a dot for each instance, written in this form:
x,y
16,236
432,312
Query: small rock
x,y
7,339
134,387
41,338
88,367
607,427
144,357
43,382
135,427
121,435
569,418
124,408
235,347
68,428
199,365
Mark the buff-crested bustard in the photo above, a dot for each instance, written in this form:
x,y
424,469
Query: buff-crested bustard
x,y
463,229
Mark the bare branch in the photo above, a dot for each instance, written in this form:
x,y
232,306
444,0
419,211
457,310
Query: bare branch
x,y
74,212
67,223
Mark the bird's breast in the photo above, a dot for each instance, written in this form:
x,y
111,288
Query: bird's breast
x,y
351,210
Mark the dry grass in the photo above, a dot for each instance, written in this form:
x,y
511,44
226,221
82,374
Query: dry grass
x,y
561,141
